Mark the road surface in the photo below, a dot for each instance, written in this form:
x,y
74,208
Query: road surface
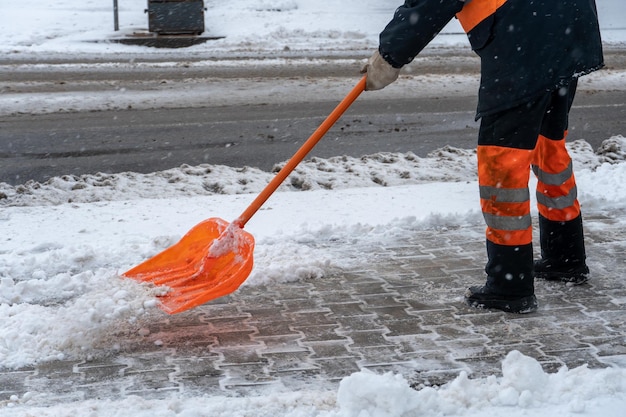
x,y
73,118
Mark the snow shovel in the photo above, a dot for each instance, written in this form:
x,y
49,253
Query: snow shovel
x,y
214,258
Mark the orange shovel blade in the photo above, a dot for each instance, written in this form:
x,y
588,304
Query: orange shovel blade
x,y
212,260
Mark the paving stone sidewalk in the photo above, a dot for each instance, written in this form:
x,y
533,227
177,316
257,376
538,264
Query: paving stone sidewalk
x,y
402,312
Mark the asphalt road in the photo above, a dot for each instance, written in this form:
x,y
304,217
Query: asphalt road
x,y
39,146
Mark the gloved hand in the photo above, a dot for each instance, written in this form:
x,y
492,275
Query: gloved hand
x,y
379,72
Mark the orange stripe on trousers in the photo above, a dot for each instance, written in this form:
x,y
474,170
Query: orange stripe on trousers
x,y
551,156
503,167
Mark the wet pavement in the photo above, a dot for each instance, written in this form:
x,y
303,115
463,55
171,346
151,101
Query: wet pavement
x,y
402,312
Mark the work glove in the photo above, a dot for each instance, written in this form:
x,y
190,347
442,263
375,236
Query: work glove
x,y
379,72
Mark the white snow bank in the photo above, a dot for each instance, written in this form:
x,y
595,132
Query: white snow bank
x,y
523,389
385,169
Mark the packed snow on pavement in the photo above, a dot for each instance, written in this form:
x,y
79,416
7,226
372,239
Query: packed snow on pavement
x,y
66,241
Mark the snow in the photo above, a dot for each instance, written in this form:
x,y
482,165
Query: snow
x,y
66,241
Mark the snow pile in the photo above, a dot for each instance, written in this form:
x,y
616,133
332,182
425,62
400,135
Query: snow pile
x,y
66,315
337,173
522,390
382,169
245,27
613,150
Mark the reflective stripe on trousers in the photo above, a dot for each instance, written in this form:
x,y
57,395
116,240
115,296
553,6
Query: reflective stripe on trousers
x,y
503,175
556,187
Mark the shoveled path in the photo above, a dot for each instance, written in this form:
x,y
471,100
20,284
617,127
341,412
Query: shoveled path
x,y
402,312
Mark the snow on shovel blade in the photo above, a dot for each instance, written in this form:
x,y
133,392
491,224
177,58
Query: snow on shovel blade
x,y
212,260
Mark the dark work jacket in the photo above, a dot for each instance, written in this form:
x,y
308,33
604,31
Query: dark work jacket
x,y
526,47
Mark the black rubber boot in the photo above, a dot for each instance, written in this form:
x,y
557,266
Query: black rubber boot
x,y
562,251
510,284
483,297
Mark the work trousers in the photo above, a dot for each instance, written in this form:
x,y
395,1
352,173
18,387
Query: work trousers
x,y
511,143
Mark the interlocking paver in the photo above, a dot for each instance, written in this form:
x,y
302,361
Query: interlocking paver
x,y
329,349
402,312
13,382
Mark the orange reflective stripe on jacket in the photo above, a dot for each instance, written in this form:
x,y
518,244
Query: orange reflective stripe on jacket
x,y
557,195
503,175
475,11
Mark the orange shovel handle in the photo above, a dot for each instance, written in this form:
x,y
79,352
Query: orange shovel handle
x,y
301,153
